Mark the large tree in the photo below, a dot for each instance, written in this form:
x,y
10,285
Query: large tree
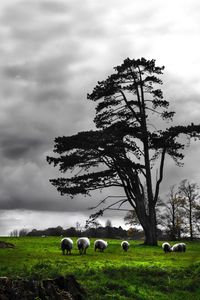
x,y
127,144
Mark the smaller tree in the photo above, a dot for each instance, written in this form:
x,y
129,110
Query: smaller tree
x,y
172,215
197,219
92,224
78,226
189,191
70,232
23,232
108,223
131,218
110,232
14,233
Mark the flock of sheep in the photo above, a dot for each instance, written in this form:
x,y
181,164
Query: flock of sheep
x,y
180,247
83,243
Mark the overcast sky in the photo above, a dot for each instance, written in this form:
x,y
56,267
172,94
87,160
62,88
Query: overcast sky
x,y
52,53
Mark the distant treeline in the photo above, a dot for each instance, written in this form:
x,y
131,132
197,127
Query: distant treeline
x,y
92,232
100,232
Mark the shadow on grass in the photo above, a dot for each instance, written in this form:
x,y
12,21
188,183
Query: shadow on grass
x,y
143,283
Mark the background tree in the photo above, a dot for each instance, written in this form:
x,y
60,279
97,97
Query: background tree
x,y
14,233
108,223
131,218
123,150
109,229
172,216
23,232
197,219
95,224
78,226
189,191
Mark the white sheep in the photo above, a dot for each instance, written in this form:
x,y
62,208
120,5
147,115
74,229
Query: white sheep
x,y
66,244
83,243
167,247
180,247
125,245
183,247
100,244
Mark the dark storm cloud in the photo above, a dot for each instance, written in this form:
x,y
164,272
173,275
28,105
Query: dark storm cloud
x,y
37,83
26,187
24,201
32,26
45,72
13,147
52,55
58,7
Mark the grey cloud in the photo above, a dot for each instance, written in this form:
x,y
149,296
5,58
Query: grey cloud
x,y
28,188
51,71
7,223
22,11
183,98
31,23
43,204
53,53
46,77
41,34
13,147
16,71
31,29
59,7
50,94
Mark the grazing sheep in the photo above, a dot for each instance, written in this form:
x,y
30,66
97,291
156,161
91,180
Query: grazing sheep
x,y
83,243
166,247
125,245
100,244
66,244
181,247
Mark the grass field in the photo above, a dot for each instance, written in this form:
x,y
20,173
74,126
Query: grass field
x,y
141,273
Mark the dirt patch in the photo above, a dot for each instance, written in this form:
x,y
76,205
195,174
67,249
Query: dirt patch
x,y
60,288
6,245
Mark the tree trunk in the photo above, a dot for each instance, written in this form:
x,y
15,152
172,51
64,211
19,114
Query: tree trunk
x,y
190,221
147,219
151,237
149,226
174,227
179,233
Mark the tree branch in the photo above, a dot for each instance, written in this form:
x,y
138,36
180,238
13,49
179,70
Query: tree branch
x,y
129,106
161,175
103,201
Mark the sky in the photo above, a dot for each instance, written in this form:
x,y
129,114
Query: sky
x,y
52,53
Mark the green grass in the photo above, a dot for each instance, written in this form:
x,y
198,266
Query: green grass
x,y
141,273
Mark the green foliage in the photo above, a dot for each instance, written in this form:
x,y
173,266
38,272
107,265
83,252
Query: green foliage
x,y
144,272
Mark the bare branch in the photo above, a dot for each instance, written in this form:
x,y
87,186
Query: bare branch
x,y
103,201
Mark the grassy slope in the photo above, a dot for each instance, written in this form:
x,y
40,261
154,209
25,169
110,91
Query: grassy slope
x,y
141,273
